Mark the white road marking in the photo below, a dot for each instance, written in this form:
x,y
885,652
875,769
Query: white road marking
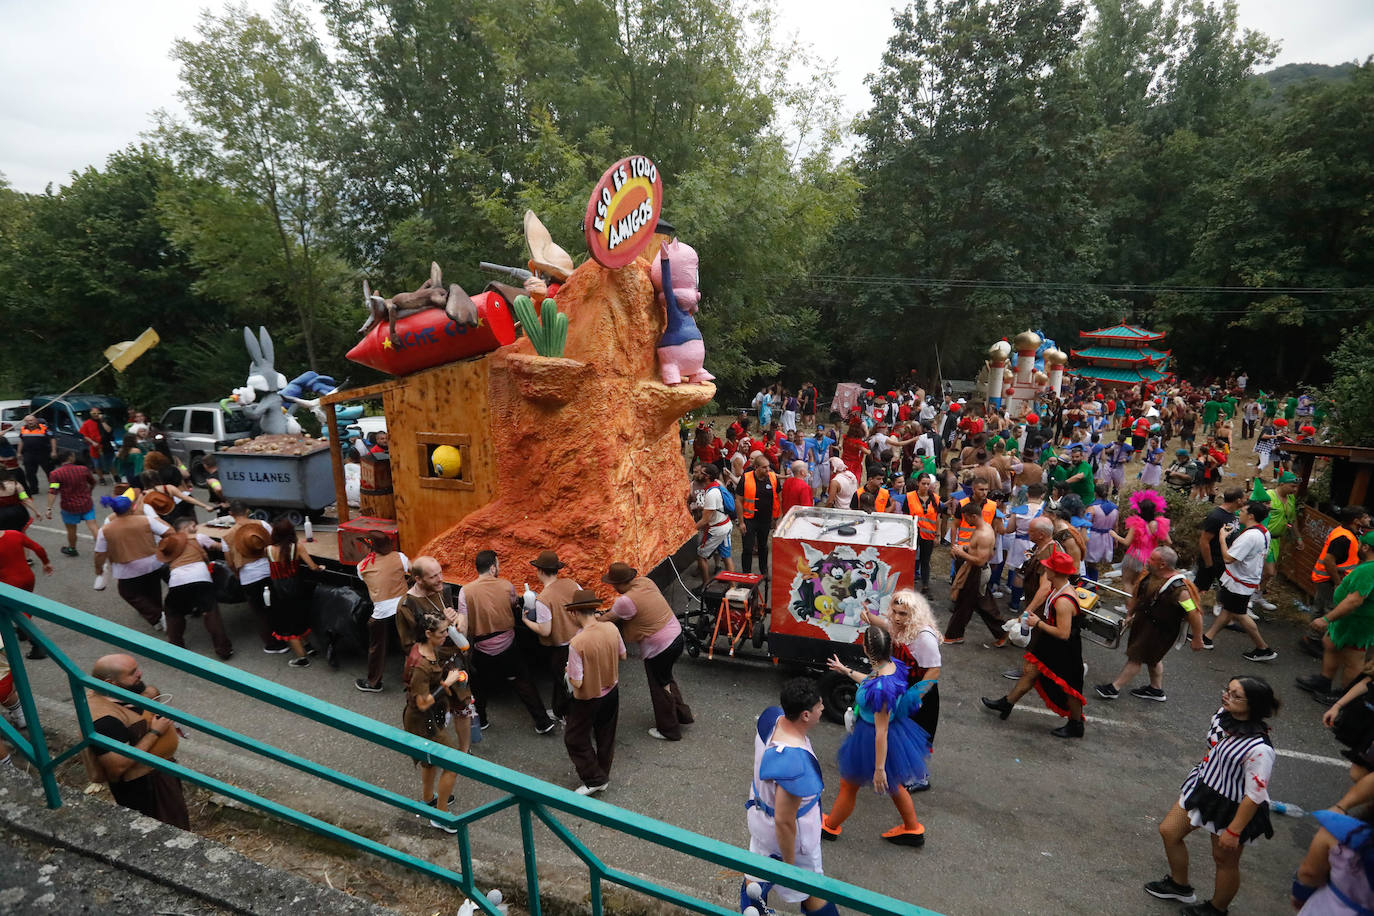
x,y
1116,723
81,531
1313,758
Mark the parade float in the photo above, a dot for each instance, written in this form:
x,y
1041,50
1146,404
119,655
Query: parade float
x,y
564,437
1017,372
1121,355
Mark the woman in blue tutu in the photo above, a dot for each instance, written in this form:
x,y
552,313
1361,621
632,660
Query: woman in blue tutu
x,y
886,747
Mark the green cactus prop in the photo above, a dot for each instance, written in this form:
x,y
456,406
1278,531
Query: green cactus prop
x,y
547,331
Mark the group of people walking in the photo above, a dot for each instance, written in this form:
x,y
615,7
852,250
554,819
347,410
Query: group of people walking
x,y
462,651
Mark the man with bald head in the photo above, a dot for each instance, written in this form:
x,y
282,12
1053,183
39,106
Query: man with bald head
x,y
426,596
1163,600
134,784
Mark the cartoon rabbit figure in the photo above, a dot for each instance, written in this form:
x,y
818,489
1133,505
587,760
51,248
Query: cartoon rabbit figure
x,y
261,395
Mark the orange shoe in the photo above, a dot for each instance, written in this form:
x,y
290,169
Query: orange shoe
x,y
828,832
902,836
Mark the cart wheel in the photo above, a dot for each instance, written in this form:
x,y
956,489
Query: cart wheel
x,y
261,515
198,473
837,692
758,634
693,647
294,516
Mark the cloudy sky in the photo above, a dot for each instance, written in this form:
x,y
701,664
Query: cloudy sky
x,y
79,80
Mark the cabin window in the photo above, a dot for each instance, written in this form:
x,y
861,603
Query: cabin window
x,y
445,460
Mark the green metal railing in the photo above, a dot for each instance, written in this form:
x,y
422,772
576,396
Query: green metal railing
x,y
534,799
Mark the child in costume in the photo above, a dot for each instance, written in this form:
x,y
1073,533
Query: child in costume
x,y
882,708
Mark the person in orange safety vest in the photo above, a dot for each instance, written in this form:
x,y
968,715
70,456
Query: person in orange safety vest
x,y
760,505
924,506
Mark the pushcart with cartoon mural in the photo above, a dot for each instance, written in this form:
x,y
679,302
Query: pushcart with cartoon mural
x,y
827,566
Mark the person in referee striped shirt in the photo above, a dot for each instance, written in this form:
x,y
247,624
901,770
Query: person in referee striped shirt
x,y
1226,794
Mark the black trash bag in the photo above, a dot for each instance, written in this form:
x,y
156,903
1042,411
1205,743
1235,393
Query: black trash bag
x,y
227,588
338,621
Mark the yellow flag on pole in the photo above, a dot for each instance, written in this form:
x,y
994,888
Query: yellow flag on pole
x,y
125,352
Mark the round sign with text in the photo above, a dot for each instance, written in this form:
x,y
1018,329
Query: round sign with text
x,y
623,211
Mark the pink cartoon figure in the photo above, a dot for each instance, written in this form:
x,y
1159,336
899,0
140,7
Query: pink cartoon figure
x,y
681,351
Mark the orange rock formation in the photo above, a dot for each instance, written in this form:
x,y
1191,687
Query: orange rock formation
x,y
587,446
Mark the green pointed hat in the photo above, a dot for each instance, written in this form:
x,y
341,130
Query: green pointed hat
x,y
1258,493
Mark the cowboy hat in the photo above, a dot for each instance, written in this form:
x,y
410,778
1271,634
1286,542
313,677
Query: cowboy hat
x,y
544,254
251,542
620,574
582,598
547,561
1060,562
160,502
170,546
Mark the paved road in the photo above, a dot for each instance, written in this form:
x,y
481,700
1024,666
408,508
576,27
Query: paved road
x,y
1018,821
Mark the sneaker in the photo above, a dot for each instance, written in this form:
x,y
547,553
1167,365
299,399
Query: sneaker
x,y
1204,908
276,651
1264,604
544,730
69,552
591,790
1207,643
484,724
1167,888
1108,691
655,733
1328,699
99,584
1260,655
1149,693
952,642
16,717
995,645
301,662
444,827
365,687
1012,674
161,624
1314,683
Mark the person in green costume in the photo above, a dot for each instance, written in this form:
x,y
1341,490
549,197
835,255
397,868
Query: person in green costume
x,y
1281,521
1228,407
1210,411
1290,408
1078,474
1348,628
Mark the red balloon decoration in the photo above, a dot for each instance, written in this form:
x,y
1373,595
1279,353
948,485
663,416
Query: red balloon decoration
x,y
1280,422
954,408
1033,419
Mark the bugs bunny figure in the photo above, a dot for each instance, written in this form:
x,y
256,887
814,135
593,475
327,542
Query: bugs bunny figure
x,y
261,394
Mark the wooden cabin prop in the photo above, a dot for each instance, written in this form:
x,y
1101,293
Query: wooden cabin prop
x,y
1351,470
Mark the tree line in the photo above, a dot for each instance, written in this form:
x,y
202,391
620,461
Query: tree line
x,y
1057,164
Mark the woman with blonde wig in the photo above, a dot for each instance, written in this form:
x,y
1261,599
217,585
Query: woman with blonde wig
x,y
916,643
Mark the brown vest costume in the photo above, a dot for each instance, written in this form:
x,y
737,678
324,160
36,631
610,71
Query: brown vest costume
x,y
652,610
489,609
102,706
599,647
129,538
563,625
385,577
